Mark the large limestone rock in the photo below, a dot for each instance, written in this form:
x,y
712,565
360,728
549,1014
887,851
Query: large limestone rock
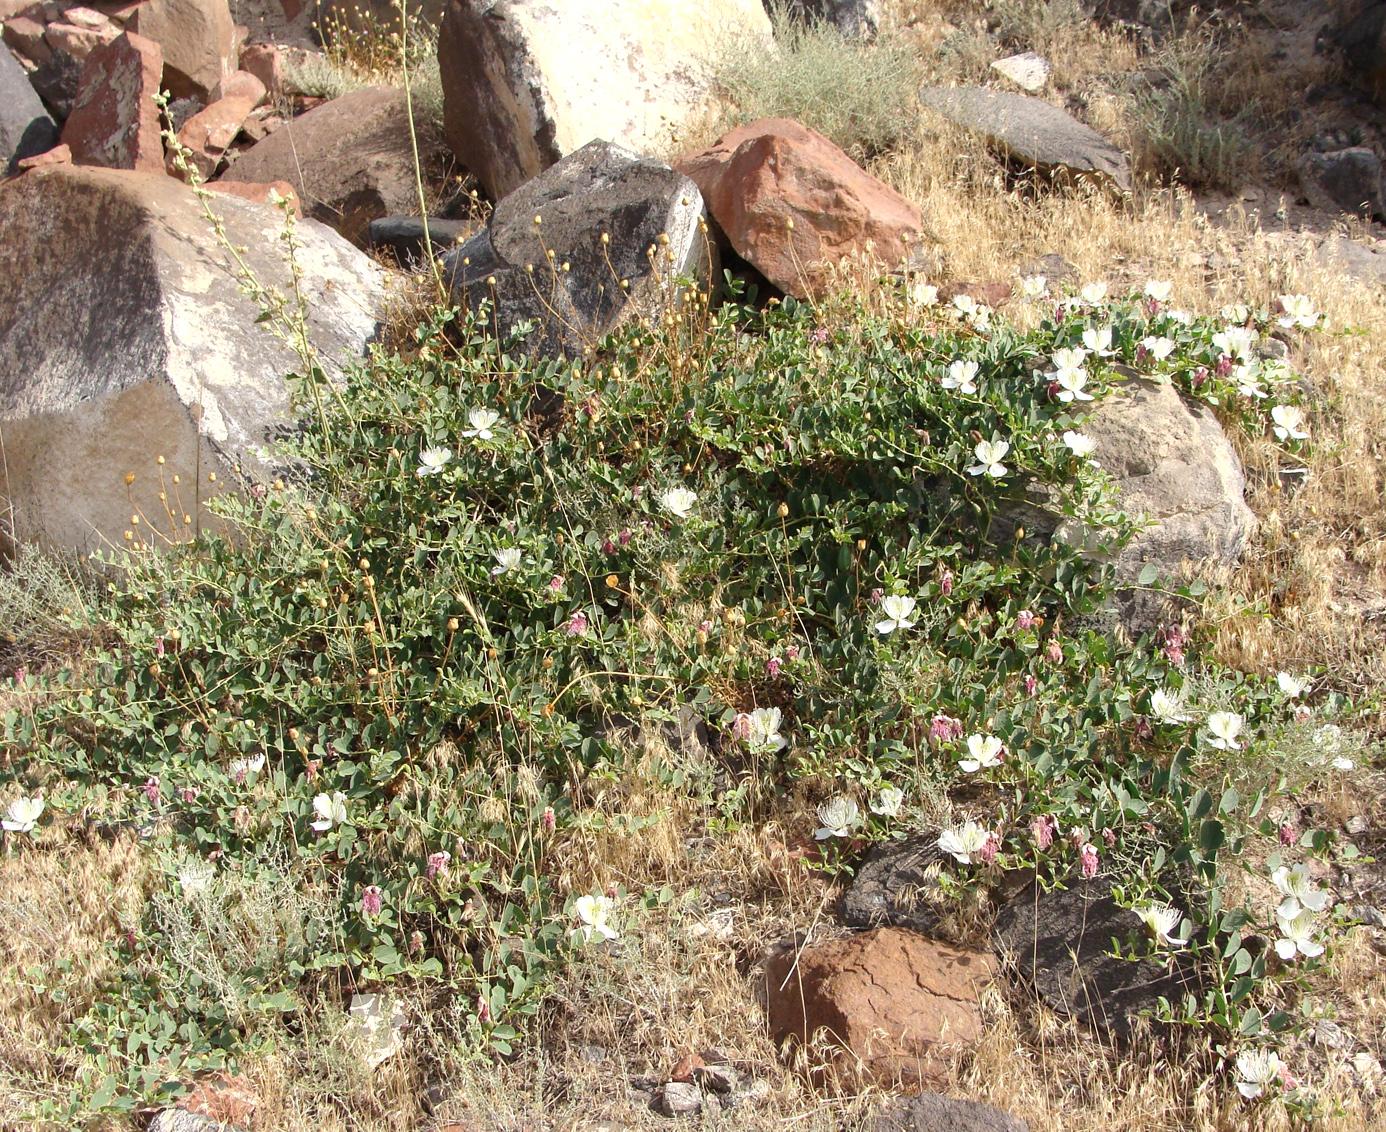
x,y
125,336
649,216
793,204
350,160
25,127
198,38
1033,133
114,120
889,998
527,82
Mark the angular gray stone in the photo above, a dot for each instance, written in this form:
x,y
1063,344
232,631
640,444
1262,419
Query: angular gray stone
x,y
25,127
403,237
933,1112
527,82
1032,133
1356,260
678,1098
853,18
125,336
1346,180
893,886
641,204
1060,942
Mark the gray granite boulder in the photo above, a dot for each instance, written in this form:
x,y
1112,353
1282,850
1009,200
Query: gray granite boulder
x,y
1344,180
125,336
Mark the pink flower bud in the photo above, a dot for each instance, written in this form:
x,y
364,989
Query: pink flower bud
x,y
1109,837
792,652
1030,684
945,582
1288,834
1224,366
1055,653
438,863
372,900
1024,619
152,791
1200,375
188,794
556,583
158,646
416,942
608,547
1052,390
705,626
1087,860
741,726
876,595
624,538
577,624
483,1010
547,820
1144,732
1303,713
987,854
772,667
1042,829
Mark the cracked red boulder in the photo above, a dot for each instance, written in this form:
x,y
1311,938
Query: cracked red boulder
x,y
890,1000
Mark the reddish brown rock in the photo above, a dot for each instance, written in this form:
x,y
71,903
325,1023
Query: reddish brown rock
x,y
258,193
241,84
58,155
350,160
198,38
793,204
209,133
114,121
266,62
79,41
25,35
889,998
224,1099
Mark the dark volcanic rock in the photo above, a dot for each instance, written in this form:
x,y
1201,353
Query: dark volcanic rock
x,y
892,888
649,216
1060,941
403,236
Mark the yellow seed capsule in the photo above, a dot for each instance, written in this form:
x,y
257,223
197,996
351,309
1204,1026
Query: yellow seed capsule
x,y
538,220
129,478
211,477
606,237
160,461
548,662
491,654
364,564
372,673
789,223
177,479
612,581
134,520
861,544
452,624
782,510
